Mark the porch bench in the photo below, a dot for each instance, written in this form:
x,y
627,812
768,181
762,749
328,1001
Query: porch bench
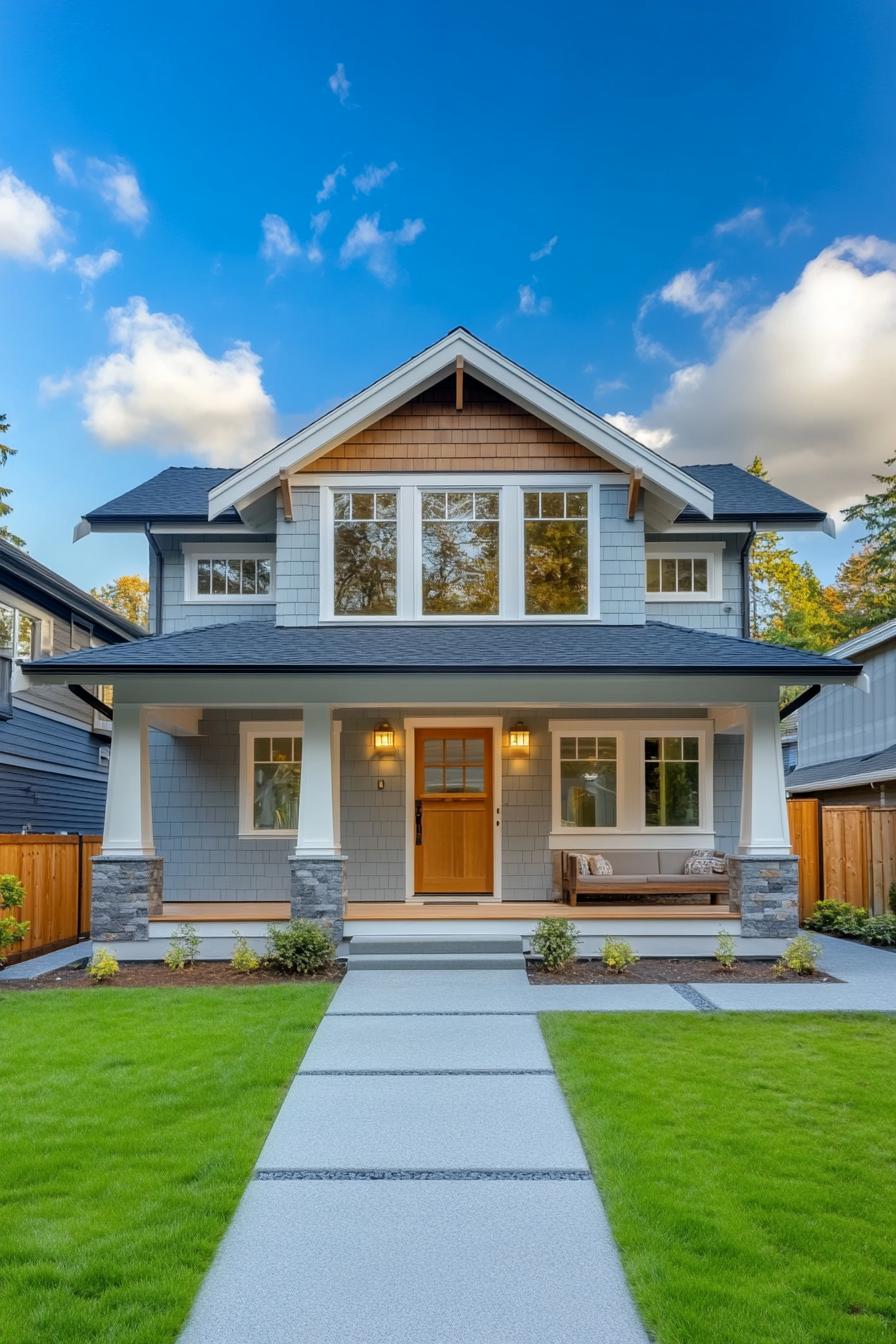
x,y
640,873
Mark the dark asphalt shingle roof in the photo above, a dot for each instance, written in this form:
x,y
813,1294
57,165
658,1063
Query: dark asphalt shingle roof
x,y
180,494
257,646
740,496
884,761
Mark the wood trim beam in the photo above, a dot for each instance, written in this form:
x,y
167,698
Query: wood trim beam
x,y
286,496
459,383
634,491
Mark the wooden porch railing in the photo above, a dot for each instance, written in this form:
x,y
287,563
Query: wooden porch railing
x,y
55,872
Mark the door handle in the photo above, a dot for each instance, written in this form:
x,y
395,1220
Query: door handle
x,y
418,822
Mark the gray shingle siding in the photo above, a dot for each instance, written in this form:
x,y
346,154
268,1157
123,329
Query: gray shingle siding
x,y
298,560
178,614
725,617
728,756
621,559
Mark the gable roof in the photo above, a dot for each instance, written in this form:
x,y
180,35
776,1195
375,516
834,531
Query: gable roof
x,y
670,487
259,646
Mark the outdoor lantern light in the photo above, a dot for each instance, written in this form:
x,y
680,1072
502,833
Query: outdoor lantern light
x,y
383,736
519,736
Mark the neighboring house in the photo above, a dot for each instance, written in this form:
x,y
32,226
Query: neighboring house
x,y
846,739
455,627
54,743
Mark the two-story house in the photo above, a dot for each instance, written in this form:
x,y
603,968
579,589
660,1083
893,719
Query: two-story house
x,y
404,660
54,741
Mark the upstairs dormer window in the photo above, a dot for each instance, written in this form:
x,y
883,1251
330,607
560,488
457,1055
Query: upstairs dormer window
x,y
215,575
683,573
445,549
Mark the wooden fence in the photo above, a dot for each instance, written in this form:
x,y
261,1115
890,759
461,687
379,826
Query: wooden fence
x,y
846,853
55,872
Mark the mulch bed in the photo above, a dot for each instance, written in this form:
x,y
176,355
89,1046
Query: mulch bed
x,y
154,975
673,971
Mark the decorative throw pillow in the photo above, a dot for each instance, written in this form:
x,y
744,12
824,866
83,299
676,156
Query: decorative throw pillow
x,y
698,865
719,862
598,866
582,867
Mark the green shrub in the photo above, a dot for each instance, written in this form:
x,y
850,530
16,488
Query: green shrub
x,y
880,930
102,966
618,955
556,942
800,955
725,951
301,948
184,948
891,898
837,917
245,959
12,897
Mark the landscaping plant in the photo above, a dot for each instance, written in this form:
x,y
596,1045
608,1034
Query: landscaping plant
x,y
556,942
183,949
837,917
301,948
800,955
618,955
102,966
891,898
12,897
880,930
245,959
725,951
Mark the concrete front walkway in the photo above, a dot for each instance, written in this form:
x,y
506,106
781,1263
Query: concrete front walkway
x,y
422,1182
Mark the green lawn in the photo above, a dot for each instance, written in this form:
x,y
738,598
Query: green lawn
x,y
131,1120
748,1166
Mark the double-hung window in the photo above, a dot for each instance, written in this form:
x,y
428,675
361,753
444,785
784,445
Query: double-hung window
x,y
671,781
444,551
270,777
588,778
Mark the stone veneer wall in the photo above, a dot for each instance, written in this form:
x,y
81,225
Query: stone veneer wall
x,y
766,893
125,892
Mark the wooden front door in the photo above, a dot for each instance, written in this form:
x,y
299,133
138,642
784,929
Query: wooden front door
x,y
453,811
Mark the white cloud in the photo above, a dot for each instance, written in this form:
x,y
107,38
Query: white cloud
x,y
159,388
376,247
62,166
30,224
373,177
530,305
329,184
635,427
116,182
695,292
314,251
606,385
750,220
279,245
545,250
339,84
90,268
806,382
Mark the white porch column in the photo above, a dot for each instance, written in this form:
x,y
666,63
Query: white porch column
x,y
764,828
317,801
128,826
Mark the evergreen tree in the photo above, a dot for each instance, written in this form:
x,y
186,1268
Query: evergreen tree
x,y
6,452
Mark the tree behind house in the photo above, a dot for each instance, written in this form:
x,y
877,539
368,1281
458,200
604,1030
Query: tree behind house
x,y
128,595
6,452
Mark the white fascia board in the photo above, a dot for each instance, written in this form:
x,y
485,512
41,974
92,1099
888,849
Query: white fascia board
x,y
844,782
674,486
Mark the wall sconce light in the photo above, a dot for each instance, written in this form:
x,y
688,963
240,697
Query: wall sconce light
x,y
518,737
384,736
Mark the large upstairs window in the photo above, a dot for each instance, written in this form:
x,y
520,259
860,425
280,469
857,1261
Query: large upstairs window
x,y
447,551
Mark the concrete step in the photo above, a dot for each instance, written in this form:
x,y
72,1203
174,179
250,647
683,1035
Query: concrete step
x,y
383,945
439,961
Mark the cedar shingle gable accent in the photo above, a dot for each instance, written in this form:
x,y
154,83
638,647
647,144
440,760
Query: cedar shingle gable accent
x,y
490,434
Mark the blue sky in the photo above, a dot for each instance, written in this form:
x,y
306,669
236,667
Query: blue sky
x,y
711,188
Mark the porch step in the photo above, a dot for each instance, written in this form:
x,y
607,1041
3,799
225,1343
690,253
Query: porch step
x,y
435,954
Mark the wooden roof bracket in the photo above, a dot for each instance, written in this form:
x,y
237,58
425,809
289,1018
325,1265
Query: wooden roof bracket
x,y
286,496
459,383
634,491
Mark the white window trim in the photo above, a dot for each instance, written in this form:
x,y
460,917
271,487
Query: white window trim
x,y
631,801
249,730
710,551
575,730
409,535
194,552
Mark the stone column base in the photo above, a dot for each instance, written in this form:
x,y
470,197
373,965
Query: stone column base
x,y
317,891
125,893
764,891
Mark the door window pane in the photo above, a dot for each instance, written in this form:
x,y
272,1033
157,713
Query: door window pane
x,y
276,777
556,552
460,532
588,781
672,781
454,765
365,553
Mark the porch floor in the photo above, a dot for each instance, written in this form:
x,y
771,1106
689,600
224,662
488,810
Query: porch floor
x,y
195,912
